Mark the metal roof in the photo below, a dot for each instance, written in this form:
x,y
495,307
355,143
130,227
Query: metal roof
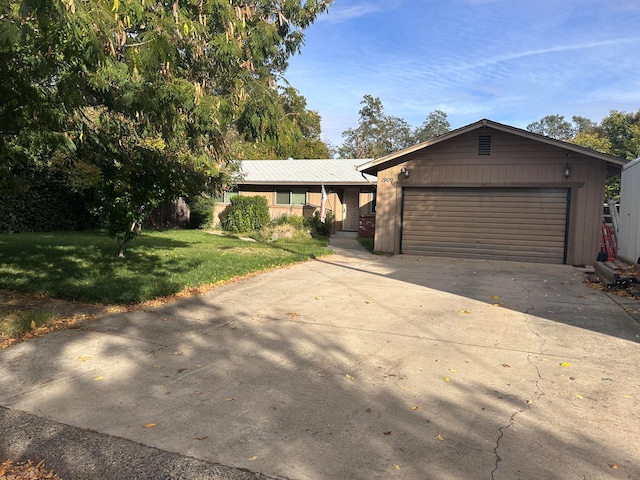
x,y
614,164
632,163
308,172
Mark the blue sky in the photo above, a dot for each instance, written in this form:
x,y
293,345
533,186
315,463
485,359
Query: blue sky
x,y
512,61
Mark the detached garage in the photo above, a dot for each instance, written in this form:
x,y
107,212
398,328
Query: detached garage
x,y
492,191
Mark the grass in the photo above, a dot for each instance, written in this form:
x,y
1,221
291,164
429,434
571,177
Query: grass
x,y
366,243
15,322
83,266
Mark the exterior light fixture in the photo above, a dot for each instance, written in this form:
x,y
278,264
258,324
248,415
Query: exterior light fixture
x,y
405,171
567,171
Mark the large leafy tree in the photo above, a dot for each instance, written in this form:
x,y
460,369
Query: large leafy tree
x,y
554,126
622,130
378,134
369,139
617,134
285,129
139,95
435,124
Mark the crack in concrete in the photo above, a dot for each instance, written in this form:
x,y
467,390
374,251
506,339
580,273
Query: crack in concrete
x,y
495,451
498,441
539,393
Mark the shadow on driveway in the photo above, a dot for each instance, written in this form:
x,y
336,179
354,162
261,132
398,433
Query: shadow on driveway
x,y
356,367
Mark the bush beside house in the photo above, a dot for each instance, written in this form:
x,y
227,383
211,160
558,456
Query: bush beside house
x,y
247,214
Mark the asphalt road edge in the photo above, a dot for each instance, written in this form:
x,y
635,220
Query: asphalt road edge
x,y
78,454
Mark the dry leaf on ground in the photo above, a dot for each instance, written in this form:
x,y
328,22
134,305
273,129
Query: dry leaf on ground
x,y
25,471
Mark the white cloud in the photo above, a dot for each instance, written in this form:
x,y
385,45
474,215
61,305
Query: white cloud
x,y
358,9
511,63
343,14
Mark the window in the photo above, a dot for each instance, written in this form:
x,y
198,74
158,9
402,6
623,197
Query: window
x,y
291,197
298,197
373,201
283,197
225,197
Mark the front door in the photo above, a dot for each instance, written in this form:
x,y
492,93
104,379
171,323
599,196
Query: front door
x,y
351,210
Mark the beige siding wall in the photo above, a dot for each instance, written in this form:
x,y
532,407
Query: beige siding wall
x,y
366,203
514,162
335,202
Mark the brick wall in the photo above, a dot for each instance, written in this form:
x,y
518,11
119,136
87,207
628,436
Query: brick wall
x,y
367,226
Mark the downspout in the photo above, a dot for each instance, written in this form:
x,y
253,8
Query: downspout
x,y
368,181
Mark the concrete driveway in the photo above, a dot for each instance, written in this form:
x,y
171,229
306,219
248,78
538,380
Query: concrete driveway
x,y
350,367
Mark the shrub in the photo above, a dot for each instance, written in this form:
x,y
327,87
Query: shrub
x,y
43,201
201,211
275,232
247,214
318,227
296,221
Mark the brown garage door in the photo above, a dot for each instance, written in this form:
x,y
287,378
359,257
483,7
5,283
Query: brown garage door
x,y
523,224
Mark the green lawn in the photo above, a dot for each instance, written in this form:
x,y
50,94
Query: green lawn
x,y
14,322
83,266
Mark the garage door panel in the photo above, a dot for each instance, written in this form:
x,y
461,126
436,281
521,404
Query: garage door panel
x,y
503,212
453,200
504,223
513,243
470,237
496,251
535,257
466,203
487,230
428,220
468,194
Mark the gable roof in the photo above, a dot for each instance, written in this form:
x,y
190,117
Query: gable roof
x,y
303,172
614,164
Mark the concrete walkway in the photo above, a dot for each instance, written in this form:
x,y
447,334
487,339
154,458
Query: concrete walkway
x,y
354,366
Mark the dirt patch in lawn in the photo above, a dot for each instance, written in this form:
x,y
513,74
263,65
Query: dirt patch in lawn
x,y
67,314
72,314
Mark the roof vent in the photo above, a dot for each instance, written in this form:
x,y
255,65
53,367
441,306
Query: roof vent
x,y
484,144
